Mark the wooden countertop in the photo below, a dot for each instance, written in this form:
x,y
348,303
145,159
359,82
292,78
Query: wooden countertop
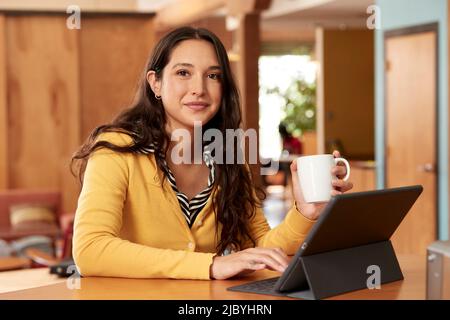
x,y
44,286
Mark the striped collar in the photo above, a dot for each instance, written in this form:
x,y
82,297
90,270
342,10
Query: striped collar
x,y
192,208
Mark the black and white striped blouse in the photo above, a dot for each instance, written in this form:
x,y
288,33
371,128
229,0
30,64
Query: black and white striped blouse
x,y
192,208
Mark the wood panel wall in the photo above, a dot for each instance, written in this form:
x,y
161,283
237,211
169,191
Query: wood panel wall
x,y
60,84
346,91
114,52
43,102
362,176
3,109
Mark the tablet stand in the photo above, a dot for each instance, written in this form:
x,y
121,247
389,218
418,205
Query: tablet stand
x,y
336,272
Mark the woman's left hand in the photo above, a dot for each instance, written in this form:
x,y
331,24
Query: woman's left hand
x,y
312,211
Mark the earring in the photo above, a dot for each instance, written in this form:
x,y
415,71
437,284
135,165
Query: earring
x,y
157,97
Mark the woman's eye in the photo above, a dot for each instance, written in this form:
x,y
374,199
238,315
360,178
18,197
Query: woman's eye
x,y
214,76
182,73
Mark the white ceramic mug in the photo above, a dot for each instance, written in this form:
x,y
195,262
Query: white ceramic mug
x,y
316,178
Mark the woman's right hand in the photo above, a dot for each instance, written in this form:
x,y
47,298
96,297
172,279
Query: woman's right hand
x,y
247,261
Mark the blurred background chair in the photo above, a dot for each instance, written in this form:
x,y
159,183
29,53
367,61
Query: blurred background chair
x,y
34,230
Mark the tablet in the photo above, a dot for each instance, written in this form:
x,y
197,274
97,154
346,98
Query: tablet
x,y
348,221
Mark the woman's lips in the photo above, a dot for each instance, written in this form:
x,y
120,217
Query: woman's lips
x,y
197,106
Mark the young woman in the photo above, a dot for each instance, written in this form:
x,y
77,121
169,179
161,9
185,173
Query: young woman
x,y
143,215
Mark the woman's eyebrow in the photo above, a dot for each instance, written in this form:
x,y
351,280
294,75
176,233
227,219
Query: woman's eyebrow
x,y
189,65
215,68
183,65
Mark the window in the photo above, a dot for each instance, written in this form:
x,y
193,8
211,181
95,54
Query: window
x,y
278,71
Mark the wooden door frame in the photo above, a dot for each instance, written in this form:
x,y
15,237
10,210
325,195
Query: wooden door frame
x,y
409,31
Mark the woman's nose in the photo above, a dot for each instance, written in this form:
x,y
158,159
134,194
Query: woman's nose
x,y
197,85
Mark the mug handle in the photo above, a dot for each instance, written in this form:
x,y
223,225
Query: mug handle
x,y
347,165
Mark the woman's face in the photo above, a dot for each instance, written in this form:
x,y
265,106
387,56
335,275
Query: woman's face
x,y
190,87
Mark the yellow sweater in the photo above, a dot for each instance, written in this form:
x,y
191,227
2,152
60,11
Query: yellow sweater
x,y
127,225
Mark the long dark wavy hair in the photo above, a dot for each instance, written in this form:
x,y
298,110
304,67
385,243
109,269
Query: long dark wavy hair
x,y
236,197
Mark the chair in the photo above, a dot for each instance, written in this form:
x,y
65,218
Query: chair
x,y
41,258
13,228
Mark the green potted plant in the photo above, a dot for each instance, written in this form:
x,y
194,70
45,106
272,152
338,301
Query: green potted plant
x,y
299,107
